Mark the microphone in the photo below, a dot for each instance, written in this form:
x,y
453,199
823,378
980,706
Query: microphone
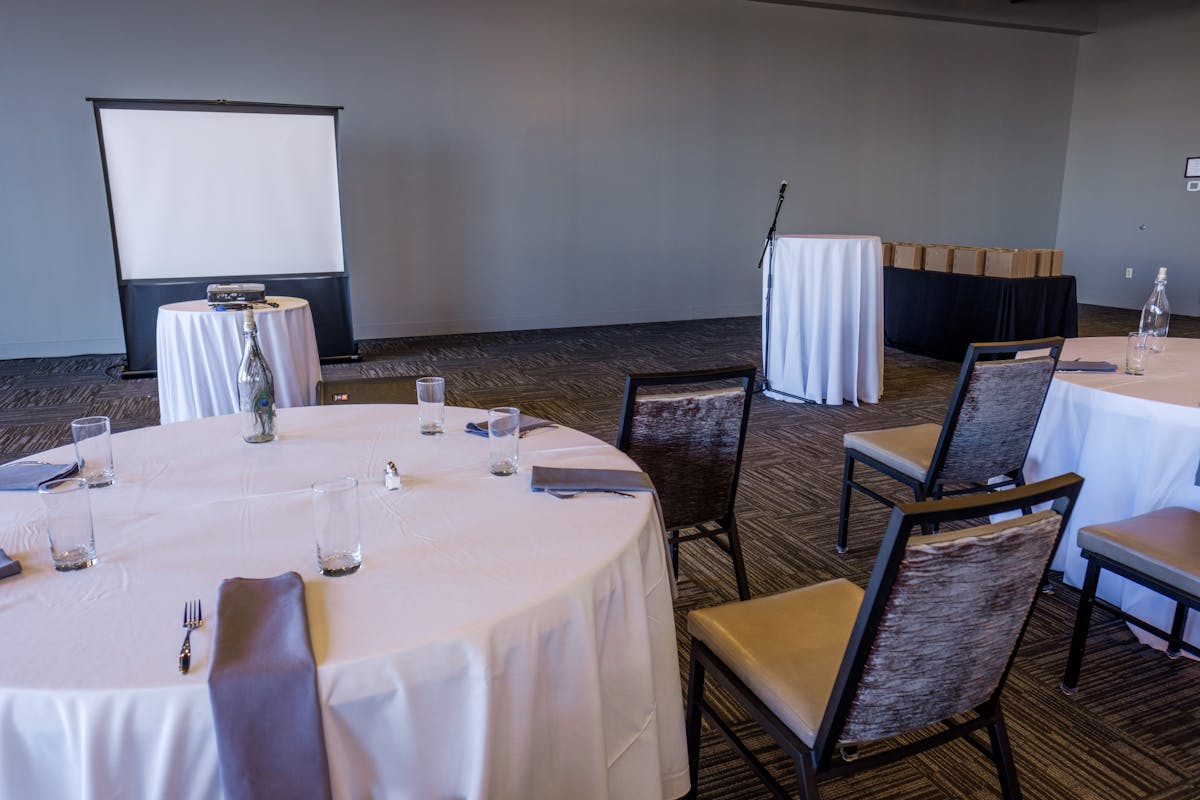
x,y
782,188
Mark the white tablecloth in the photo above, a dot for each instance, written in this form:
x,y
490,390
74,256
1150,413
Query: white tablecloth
x,y
826,319
198,352
1136,442
496,643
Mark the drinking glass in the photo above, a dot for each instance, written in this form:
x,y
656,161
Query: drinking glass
x,y
69,523
504,434
1136,349
431,405
335,517
93,450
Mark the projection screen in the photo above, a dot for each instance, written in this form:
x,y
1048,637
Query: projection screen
x,y
206,191
202,194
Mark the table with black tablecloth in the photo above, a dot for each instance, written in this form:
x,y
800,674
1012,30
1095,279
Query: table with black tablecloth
x,y
939,313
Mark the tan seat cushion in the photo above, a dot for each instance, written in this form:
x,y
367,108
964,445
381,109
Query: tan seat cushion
x,y
1164,544
907,450
786,647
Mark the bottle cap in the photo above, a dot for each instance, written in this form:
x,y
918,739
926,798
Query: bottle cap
x,y
248,323
1162,274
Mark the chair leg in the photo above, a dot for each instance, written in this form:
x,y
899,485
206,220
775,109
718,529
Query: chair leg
x,y
735,552
1181,612
919,495
806,776
1006,770
844,519
1083,619
695,692
675,559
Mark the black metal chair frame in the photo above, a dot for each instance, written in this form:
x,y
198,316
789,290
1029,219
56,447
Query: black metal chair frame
x,y
818,762
931,485
727,523
1088,601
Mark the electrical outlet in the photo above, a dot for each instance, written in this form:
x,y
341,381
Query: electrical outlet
x,y
1129,272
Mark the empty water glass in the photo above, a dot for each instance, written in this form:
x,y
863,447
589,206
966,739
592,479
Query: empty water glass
x,y
1136,350
504,436
93,449
335,518
68,510
431,405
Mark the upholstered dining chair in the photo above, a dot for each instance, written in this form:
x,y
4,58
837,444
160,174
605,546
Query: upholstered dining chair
x,y
985,435
922,654
345,391
1159,550
690,443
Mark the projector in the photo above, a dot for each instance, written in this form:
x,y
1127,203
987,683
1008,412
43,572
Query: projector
x,y
221,293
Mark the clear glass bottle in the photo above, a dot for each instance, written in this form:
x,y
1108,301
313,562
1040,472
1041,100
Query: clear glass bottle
x,y
1156,314
256,387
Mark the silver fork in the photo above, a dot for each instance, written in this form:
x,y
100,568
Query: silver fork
x,y
567,495
193,618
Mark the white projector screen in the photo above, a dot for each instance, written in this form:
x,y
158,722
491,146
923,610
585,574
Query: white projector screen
x,y
226,193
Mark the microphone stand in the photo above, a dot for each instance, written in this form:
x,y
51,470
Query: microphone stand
x,y
768,254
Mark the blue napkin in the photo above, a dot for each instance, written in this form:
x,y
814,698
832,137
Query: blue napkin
x,y
1086,366
8,566
578,479
528,423
24,476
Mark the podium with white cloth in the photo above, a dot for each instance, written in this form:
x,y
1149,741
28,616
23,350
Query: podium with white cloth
x,y
199,350
823,319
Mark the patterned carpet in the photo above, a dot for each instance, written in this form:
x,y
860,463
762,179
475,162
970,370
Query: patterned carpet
x,y
1133,731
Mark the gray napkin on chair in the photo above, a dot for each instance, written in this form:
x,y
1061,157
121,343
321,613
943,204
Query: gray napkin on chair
x,y
528,423
24,476
8,566
570,480
263,691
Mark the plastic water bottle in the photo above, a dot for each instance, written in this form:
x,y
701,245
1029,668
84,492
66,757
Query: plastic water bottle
x,y
1156,314
256,387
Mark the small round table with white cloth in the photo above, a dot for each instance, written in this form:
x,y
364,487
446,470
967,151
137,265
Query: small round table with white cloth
x,y
1135,439
497,642
198,351
823,328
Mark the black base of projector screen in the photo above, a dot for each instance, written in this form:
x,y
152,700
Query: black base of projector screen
x,y
327,295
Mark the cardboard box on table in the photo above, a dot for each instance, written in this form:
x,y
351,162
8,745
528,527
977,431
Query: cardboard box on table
x,y
888,251
939,258
908,255
969,260
1003,263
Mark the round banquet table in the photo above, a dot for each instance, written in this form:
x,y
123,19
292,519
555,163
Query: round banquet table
x,y
496,643
824,325
198,351
1136,442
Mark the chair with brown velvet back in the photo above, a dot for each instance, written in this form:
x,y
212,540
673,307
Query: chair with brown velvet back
x,y
982,443
349,391
690,444
923,654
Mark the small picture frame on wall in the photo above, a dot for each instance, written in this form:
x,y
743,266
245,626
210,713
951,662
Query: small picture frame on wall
x,y
1192,170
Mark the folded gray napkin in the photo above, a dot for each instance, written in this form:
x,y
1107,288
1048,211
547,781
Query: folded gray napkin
x,y
578,479
583,479
528,423
263,691
24,476
8,566
1086,366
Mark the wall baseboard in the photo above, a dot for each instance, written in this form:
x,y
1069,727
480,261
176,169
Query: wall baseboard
x,y
61,348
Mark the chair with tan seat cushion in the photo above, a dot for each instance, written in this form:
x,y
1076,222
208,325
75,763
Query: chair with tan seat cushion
x,y
981,444
687,430
346,391
1159,550
829,667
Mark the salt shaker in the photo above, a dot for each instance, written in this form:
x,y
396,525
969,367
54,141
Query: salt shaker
x,y
391,477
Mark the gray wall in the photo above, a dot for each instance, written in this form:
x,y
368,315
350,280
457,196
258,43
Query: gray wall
x,y
1136,118
547,162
